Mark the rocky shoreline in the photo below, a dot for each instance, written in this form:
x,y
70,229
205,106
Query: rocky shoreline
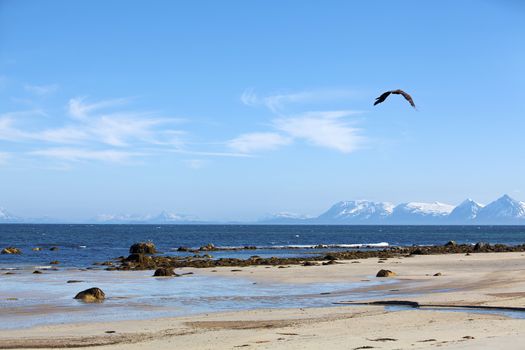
x,y
138,260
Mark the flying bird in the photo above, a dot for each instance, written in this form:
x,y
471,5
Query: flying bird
x,y
384,95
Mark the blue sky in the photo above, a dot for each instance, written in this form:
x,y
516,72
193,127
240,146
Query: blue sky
x,y
238,109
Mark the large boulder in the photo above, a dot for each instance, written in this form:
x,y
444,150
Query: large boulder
x,y
91,295
451,244
143,248
481,246
138,258
385,273
164,272
11,250
208,247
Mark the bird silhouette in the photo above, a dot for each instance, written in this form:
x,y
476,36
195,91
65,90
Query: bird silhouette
x,y
384,95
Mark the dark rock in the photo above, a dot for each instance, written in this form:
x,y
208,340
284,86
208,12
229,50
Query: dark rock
x,y
183,249
451,244
438,274
91,295
138,258
37,272
11,250
208,247
74,281
53,248
330,262
143,248
481,246
418,251
330,257
164,272
385,273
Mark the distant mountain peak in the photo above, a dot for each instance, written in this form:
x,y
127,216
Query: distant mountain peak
x,y
504,209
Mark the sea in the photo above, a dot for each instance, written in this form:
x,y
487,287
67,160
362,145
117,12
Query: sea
x,y
28,299
83,245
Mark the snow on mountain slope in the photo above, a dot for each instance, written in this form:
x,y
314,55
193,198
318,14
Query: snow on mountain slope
x,y
5,216
418,208
465,212
357,211
503,210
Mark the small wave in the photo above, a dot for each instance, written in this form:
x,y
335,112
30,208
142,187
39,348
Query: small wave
x,y
303,246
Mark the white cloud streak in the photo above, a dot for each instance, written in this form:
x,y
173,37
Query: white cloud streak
x,y
92,127
278,102
322,130
258,141
327,129
41,90
79,154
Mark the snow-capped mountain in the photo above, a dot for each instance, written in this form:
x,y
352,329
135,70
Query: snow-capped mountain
x,y
5,216
357,212
420,213
163,218
503,210
286,218
466,211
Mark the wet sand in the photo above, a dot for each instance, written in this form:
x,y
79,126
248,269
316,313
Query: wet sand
x,y
490,279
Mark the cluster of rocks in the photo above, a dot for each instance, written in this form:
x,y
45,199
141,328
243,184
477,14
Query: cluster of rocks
x,y
11,250
210,247
142,256
14,250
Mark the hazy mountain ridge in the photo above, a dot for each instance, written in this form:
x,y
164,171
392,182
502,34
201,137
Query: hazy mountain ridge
x,y
502,211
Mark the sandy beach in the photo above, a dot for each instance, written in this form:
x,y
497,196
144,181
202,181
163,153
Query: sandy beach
x,y
484,279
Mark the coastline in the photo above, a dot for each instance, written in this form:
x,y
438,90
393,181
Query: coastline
x,y
488,279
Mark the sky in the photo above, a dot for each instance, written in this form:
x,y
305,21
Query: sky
x,y
234,110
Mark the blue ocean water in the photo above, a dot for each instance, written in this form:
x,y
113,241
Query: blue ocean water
x,y
82,245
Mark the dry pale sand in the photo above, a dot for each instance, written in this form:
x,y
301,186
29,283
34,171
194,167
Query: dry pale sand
x,y
493,279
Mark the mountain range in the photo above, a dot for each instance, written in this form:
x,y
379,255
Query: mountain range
x,y
502,211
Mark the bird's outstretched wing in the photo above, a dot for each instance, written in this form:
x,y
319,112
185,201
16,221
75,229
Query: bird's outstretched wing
x,y
406,96
395,92
382,97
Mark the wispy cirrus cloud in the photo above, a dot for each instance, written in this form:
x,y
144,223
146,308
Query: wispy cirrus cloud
x,y
41,90
258,141
323,128
279,101
79,108
80,154
97,130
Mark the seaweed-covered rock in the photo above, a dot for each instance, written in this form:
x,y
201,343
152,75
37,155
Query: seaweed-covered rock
x,y
91,295
481,246
385,273
11,250
208,247
143,248
164,272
